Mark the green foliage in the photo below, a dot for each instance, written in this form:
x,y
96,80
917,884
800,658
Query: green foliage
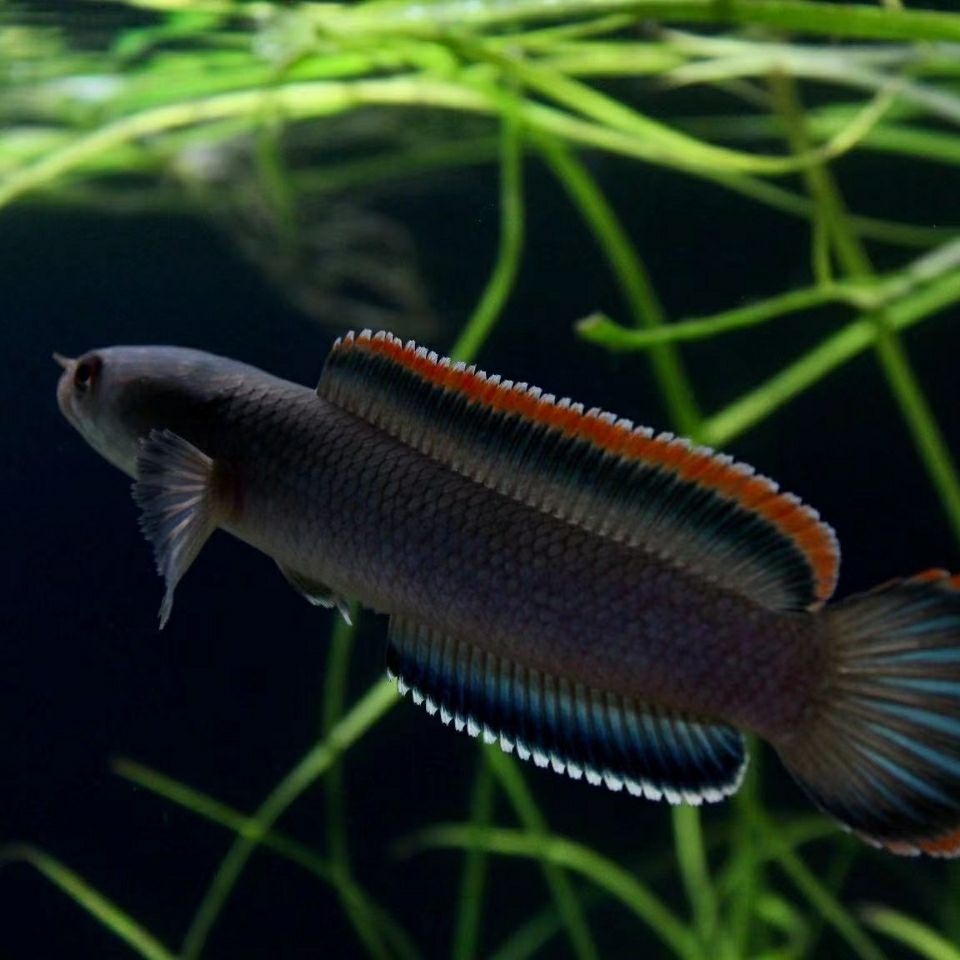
x,y
146,120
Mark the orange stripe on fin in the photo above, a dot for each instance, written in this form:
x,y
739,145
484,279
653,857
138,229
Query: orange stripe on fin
x,y
933,575
947,845
365,373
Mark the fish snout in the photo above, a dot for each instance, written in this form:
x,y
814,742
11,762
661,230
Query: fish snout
x,y
65,385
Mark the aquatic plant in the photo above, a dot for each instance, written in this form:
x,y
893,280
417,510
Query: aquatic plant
x,y
148,116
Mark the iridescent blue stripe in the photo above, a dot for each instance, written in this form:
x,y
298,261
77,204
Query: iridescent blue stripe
x,y
942,760
925,718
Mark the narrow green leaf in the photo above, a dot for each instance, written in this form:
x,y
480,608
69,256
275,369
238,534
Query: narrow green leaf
x,y
103,910
606,874
370,709
923,941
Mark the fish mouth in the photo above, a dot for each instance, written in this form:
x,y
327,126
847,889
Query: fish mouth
x,y
67,364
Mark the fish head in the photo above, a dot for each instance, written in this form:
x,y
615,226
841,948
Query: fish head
x,y
115,396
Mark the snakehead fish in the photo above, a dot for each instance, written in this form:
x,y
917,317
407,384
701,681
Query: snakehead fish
x,y
616,604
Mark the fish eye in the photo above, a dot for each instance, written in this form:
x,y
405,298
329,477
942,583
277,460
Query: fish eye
x,y
86,372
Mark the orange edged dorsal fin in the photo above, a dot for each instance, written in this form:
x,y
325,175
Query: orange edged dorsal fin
x,y
947,845
177,492
686,504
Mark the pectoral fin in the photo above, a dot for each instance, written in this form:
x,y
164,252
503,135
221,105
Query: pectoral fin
x,y
319,594
177,494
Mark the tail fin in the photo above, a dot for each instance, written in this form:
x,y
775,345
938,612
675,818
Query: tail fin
x,y
881,752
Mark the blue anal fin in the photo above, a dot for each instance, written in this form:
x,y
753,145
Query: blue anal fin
x,y
556,722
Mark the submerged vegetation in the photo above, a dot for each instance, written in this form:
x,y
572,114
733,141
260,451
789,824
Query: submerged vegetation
x,y
187,100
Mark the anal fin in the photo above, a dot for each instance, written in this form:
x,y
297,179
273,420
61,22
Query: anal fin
x,y
319,594
555,721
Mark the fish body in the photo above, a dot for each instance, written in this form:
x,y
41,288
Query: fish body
x,y
612,603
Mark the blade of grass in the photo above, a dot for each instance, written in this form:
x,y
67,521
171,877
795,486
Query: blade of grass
x,y
844,858
371,708
466,936
513,784
530,938
105,911
606,874
213,810
294,101
817,894
745,871
870,228
357,909
758,404
315,99
841,20
902,139
335,674
666,144
863,295
920,420
600,329
783,916
476,330
633,277
695,875
911,933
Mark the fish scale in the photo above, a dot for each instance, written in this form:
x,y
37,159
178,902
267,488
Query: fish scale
x,y
407,535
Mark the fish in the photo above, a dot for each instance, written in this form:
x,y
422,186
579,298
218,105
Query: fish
x,y
616,604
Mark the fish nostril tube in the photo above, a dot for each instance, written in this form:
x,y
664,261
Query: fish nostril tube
x,y
65,362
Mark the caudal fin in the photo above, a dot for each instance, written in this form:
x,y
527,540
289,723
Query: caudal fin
x,y
881,752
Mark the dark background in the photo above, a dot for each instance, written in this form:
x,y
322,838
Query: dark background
x,y
228,697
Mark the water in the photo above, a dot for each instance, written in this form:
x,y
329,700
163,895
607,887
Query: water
x,y
228,698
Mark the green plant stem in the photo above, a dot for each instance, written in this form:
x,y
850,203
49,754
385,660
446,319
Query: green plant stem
x,y
835,20
90,899
371,708
870,295
530,938
666,141
507,771
476,330
833,879
901,139
600,329
294,101
757,404
923,427
466,937
692,865
911,933
336,674
606,874
745,871
817,894
213,810
633,277
334,690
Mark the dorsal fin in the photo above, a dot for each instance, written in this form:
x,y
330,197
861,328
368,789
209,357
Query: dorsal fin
x,y
684,503
556,722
